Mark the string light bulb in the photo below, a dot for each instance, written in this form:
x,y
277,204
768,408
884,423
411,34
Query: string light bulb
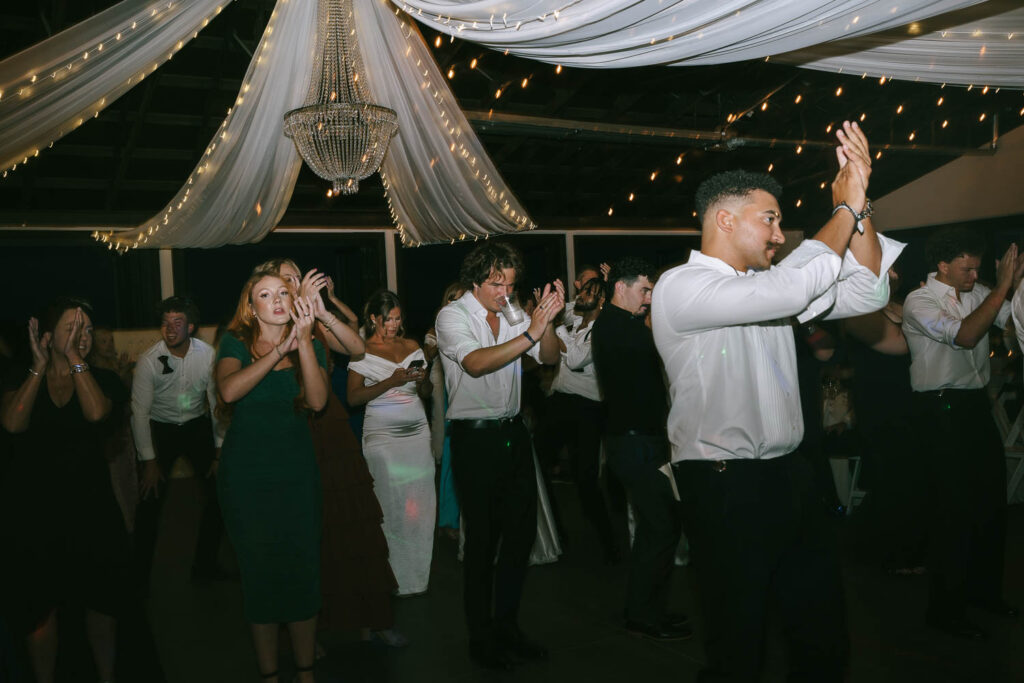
x,y
981,118
839,91
631,196
946,122
558,69
912,136
764,106
899,109
472,64
941,100
437,41
798,99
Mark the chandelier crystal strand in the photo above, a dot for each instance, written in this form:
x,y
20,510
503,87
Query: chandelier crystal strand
x,y
339,134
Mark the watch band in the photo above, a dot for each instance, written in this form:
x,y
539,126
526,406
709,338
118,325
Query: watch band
x,y
857,217
77,368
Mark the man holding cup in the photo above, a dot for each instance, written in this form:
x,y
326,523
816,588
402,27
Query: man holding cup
x,y
481,338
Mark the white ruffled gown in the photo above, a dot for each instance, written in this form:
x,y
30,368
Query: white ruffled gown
x,y
396,445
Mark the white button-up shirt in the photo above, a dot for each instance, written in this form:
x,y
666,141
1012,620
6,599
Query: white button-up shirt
x,y
576,373
727,344
461,329
175,397
932,316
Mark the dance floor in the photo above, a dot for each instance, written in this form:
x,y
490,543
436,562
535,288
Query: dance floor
x,y
571,606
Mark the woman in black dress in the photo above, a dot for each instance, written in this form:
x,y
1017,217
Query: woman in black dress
x,y
60,525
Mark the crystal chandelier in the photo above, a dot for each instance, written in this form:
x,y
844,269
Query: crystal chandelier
x,y
339,134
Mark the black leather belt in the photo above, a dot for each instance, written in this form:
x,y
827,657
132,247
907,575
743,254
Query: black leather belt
x,y
481,423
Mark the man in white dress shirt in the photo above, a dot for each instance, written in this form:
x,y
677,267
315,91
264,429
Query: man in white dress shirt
x,y
946,323
759,535
492,457
173,398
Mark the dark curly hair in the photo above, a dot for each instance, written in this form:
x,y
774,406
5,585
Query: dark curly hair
x,y
50,315
627,270
946,244
178,304
490,256
733,184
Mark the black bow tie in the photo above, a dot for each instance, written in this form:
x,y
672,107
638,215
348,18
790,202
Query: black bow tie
x,y
167,368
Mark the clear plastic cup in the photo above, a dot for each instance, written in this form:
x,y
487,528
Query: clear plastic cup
x,y
512,311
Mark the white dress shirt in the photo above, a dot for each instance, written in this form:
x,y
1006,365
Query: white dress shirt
x,y
461,329
932,316
727,344
175,397
576,373
1017,308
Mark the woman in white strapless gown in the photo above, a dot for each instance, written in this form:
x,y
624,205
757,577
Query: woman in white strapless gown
x,y
391,379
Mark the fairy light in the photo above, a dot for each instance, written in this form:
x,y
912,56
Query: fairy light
x,y
798,99
912,136
42,78
981,118
654,175
799,149
524,82
899,109
799,202
941,100
770,167
472,64
828,128
437,41
679,159
822,186
878,154
839,91
862,117
497,94
330,193
451,73
984,91
610,211
764,106
558,69
946,122
631,196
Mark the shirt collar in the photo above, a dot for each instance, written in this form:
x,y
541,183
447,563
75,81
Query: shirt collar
x,y
473,306
939,288
699,258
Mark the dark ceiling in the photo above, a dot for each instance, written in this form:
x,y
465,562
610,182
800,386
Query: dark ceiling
x,y
122,167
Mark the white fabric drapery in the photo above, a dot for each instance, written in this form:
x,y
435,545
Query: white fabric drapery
x,y
624,33
983,45
914,40
243,182
53,87
441,184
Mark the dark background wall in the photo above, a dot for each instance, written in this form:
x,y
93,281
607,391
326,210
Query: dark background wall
x,y
123,289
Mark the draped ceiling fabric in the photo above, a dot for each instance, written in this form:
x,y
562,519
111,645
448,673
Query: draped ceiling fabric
x,y
626,33
982,45
440,182
243,182
51,88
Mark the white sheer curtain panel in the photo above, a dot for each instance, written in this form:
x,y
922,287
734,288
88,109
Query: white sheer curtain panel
x,y
983,45
441,185
242,184
53,87
625,33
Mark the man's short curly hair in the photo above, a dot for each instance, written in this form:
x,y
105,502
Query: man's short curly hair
x,y
627,269
492,255
733,184
946,244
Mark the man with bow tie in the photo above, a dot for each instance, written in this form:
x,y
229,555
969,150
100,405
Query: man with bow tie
x,y
173,398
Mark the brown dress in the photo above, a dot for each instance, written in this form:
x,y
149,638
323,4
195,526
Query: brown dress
x,y
356,579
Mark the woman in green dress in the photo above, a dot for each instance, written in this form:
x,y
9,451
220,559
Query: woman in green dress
x,y
270,374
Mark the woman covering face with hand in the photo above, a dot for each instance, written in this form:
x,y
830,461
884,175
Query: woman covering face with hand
x,y
60,526
270,376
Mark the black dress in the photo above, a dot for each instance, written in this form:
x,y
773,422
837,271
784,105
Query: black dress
x,y
62,533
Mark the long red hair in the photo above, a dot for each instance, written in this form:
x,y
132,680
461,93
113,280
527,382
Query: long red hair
x,y
246,328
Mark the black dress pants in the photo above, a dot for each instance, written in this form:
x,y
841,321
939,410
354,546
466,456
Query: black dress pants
x,y
760,539
635,459
193,440
496,483
967,498
575,422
